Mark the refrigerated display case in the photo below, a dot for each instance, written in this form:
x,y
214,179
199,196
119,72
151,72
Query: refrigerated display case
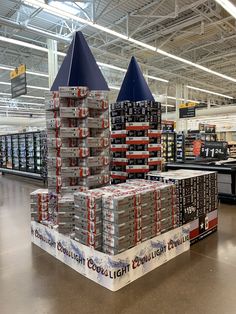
x,y
21,154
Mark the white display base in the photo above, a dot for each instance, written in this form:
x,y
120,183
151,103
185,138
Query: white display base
x,y
112,272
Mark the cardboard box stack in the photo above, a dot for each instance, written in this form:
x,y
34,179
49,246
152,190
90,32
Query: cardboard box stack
x,y
135,139
39,205
88,218
115,218
78,146
196,191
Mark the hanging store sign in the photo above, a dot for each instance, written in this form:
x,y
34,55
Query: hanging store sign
x,y
18,81
214,150
207,128
187,110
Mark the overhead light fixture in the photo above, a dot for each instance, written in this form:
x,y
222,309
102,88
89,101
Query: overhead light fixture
x,y
114,67
166,105
23,96
20,108
156,78
228,6
3,67
37,73
61,13
17,42
38,87
110,66
20,111
209,92
28,86
6,100
34,97
28,45
114,87
5,94
182,99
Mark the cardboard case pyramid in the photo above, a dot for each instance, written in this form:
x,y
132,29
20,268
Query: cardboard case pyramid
x,y
79,67
134,87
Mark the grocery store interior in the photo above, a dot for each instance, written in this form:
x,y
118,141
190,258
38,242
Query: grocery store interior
x,y
117,156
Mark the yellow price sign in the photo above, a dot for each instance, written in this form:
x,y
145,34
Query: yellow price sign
x,y
21,69
187,105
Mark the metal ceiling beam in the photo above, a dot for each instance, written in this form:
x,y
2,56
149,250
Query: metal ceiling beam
x,y
60,38
156,22
180,10
146,18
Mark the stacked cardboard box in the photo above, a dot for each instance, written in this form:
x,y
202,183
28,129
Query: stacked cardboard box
x,y
78,146
39,205
135,139
88,218
115,218
197,192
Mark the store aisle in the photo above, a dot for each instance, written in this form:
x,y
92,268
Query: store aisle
x,y
31,281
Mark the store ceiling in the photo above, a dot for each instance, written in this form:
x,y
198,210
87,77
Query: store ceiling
x,y
199,31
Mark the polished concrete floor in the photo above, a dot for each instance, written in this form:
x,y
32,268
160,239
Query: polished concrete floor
x,y
202,280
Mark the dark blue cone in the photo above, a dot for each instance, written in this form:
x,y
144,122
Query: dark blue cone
x,y
134,86
79,67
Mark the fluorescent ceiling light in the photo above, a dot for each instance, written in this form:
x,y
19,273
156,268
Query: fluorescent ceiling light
x,y
114,67
35,97
196,65
28,86
61,14
209,92
114,87
156,78
20,108
5,94
37,73
124,70
7,100
228,6
6,68
165,105
23,96
182,99
28,45
19,111
38,87
3,67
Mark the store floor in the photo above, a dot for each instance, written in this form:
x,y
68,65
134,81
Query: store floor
x,y
202,280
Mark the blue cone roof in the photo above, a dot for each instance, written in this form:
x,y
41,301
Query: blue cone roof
x,y
134,86
79,67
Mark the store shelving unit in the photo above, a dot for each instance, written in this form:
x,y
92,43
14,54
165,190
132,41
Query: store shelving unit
x,y
185,143
232,149
168,140
21,154
180,147
188,145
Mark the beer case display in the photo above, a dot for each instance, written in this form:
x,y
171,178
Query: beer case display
x,y
135,137
78,138
126,214
196,191
39,201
